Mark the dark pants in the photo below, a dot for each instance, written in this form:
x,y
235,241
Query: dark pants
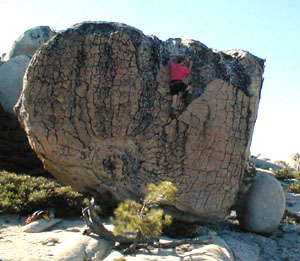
x,y
177,86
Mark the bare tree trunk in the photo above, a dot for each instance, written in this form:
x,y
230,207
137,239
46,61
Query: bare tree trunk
x,y
96,226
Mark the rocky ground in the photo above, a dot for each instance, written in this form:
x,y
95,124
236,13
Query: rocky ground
x,y
64,240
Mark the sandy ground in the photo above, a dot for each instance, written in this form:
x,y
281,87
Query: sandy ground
x,y
65,241
18,245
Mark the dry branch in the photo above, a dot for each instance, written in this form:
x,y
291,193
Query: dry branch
x,y
95,226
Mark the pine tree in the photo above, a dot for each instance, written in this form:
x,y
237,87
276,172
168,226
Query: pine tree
x,y
145,219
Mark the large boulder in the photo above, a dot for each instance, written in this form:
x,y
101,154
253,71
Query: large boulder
x,y
30,41
95,106
11,81
263,206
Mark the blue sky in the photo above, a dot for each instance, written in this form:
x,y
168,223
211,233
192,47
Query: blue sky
x,y
268,29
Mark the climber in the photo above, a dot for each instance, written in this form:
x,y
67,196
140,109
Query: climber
x,y
178,72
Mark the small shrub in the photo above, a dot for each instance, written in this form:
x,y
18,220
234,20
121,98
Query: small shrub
x,y
291,218
294,188
284,172
23,194
250,173
145,218
282,163
295,174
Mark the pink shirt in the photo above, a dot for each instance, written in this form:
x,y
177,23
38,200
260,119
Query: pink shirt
x,y
178,71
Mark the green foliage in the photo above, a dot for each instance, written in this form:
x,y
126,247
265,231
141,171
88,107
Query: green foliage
x,y
284,172
250,173
165,191
294,188
129,219
282,163
142,218
295,174
291,218
23,194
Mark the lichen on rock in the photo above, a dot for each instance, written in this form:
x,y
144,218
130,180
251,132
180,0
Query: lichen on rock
x,y
95,106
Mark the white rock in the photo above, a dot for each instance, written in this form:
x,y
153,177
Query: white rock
x,y
216,251
262,164
96,249
242,250
40,225
293,203
30,41
79,247
11,81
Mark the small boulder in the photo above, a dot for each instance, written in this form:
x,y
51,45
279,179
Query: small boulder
x,y
2,57
11,81
40,225
30,41
80,247
262,208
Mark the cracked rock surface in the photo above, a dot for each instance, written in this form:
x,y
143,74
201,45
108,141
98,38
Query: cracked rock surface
x,y
95,107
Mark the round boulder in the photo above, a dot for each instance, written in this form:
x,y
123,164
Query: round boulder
x,y
95,106
262,208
